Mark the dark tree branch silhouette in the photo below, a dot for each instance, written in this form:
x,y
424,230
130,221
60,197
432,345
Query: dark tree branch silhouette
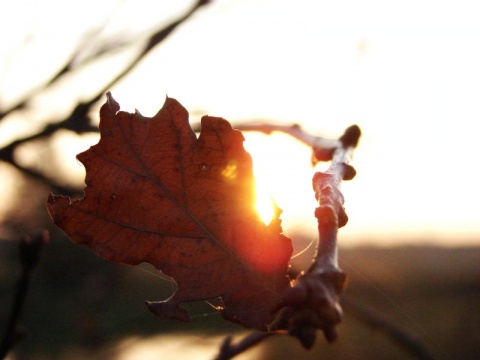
x,y
30,249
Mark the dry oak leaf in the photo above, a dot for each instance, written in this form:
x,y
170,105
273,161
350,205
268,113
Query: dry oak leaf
x,y
156,193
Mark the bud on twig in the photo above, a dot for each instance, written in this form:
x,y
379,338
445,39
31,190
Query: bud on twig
x,y
312,301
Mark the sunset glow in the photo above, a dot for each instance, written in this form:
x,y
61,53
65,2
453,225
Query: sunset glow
x,y
152,215
413,90
264,206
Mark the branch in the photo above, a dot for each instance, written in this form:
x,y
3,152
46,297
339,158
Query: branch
x,y
330,214
72,64
312,301
78,59
322,148
151,43
229,350
30,250
77,122
51,183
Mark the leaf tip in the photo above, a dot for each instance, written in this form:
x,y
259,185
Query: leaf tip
x,y
167,99
112,103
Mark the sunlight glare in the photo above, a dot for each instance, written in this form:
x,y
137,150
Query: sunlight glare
x,y
230,171
282,170
264,206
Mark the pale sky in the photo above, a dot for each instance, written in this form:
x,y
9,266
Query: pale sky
x,y
407,72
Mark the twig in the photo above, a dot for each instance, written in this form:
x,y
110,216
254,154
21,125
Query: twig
x,y
69,67
392,331
152,42
323,148
76,60
51,183
30,249
77,122
72,65
229,350
312,301
330,214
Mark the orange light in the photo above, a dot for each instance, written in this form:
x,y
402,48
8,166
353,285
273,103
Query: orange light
x,y
264,206
229,172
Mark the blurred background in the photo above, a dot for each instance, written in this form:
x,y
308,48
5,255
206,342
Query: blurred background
x,y
407,72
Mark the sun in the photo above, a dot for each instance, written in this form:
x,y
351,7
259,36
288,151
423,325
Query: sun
x,y
264,206
283,174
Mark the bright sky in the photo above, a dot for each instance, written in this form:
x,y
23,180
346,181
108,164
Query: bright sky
x,y
407,72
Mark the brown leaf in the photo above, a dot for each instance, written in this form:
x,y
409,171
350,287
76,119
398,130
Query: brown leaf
x,y
157,194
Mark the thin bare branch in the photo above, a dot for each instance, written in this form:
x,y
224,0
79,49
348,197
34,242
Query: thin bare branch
x,y
295,131
78,122
229,350
330,213
29,254
78,59
322,148
52,184
151,43
154,39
